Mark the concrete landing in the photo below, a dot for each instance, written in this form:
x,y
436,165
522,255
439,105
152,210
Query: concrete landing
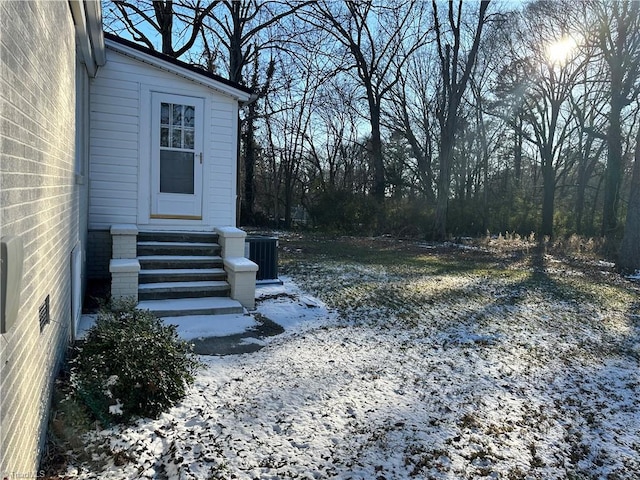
x,y
181,307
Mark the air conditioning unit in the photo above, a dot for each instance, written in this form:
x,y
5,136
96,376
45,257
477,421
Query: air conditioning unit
x,y
264,252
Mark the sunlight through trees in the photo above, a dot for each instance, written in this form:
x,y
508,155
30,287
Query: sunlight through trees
x,y
431,119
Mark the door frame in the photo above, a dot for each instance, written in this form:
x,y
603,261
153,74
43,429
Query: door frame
x,y
145,137
176,205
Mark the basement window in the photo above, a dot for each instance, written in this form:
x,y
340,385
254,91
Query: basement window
x,y
43,313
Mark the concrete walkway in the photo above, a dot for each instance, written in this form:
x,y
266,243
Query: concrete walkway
x,y
216,334
235,333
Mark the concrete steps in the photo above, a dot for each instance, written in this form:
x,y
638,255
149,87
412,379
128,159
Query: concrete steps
x,y
181,273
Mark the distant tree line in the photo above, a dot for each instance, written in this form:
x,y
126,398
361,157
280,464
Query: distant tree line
x,y
433,119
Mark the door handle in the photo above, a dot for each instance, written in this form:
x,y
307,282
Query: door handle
x,y
200,158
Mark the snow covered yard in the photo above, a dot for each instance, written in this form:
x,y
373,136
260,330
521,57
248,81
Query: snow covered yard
x,y
418,361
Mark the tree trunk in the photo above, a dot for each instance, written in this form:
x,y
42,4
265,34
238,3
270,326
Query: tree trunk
x,y
444,180
549,190
376,150
164,18
629,253
580,194
619,42
288,198
517,152
249,164
455,75
613,171
236,60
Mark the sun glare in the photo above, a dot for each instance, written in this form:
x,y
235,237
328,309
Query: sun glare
x,y
561,50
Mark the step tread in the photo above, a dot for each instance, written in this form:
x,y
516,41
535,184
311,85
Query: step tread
x,y
180,257
177,244
183,233
183,285
181,306
183,271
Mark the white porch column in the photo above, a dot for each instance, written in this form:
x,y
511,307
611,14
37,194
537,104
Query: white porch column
x,y
123,238
241,272
231,239
124,278
124,266
241,275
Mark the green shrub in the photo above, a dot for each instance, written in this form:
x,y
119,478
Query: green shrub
x,y
132,364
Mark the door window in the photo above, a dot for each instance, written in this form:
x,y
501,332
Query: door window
x,y
177,126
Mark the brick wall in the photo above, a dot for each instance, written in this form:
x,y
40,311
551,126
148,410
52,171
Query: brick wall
x,y
40,202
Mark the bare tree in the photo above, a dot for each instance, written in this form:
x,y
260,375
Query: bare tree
x,y
456,66
629,253
588,101
287,121
245,30
618,37
411,113
179,21
333,136
551,65
377,41
488,129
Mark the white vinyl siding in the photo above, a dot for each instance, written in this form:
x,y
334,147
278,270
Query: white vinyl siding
x,y
119,94
113,167
222,188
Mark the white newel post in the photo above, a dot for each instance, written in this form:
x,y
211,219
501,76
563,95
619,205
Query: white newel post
x,y
124,265
241,272
241,275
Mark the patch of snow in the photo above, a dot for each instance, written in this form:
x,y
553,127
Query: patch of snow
x,y
252,341
289,307
270,290
602,263
86,322
462,246
175,244
468,385
200,326
179,257
182,285
116,409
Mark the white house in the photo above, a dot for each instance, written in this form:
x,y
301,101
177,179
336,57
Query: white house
x,y
164,139
164,143
116,161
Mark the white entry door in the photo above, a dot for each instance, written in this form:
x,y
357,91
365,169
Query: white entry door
x,y
176,156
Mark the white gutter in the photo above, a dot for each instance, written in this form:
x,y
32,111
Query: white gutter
x,y
87,18
223,88
96,35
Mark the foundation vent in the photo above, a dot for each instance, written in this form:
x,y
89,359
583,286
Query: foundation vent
x,y
43,313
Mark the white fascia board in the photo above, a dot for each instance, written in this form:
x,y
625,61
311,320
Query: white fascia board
x,y
93,9
87,17
82,36
227,90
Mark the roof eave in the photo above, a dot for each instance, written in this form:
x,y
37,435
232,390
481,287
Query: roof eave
x,y
87,18
228,90
96,34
